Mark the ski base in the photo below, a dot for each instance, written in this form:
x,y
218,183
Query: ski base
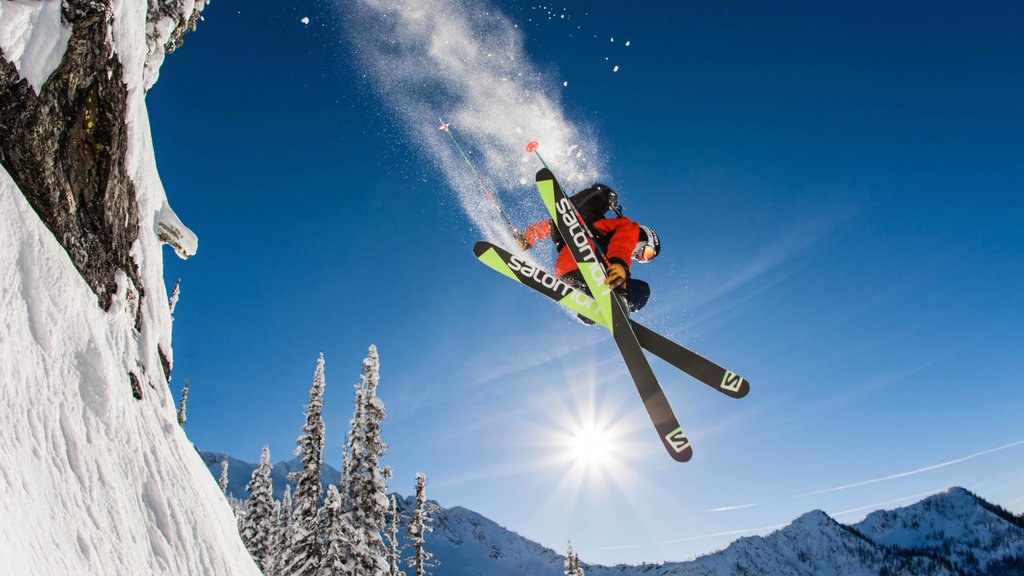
x,y
686,360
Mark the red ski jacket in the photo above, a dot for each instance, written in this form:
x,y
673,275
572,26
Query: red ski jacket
x,y
616,237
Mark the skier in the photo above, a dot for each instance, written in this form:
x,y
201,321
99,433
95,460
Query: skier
x,y
616,243
620,239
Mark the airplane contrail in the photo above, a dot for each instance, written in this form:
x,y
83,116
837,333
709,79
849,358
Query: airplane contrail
x,y
917,470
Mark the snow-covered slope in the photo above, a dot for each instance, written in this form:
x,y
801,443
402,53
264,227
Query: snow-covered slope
x,y
467,544
813,545
976,536
92,480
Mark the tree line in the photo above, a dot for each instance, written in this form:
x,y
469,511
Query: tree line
x,y
349,529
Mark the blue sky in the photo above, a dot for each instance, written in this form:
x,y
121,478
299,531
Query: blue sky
x,y
838,194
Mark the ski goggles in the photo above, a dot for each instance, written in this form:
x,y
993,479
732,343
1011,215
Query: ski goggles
x,y
644,253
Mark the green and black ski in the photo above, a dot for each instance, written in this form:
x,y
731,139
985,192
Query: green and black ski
x,y
583,249
700,368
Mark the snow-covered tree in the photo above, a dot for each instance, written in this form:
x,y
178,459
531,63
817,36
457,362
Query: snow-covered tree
x,y
394,553
273,541
304,552
363,482
356,437
286,509
224,475
258,522
338,559
419,525
279,540
367,501
572,563
181,404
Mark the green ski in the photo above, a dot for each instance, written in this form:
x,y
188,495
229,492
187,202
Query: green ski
x,y
523,272
577,237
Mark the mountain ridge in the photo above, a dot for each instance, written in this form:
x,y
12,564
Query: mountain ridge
x,y
954,532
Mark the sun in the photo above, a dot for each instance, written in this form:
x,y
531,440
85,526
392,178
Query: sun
x,y
592,446
589,435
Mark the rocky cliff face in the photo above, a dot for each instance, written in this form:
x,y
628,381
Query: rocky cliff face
x,y
65,135
65,147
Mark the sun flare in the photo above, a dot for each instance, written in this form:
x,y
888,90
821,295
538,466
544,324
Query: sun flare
x,y
591,446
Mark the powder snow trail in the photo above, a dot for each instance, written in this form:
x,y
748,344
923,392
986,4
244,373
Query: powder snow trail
x,y
465,62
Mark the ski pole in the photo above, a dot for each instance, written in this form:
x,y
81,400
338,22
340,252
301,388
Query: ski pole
x,y
532,147
444,128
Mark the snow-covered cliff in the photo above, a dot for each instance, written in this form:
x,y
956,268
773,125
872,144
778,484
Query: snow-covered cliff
x,y
96,477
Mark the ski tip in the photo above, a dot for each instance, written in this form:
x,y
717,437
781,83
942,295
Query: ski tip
x,y
480,247
678,445
544,174
743,391
683,456
734,385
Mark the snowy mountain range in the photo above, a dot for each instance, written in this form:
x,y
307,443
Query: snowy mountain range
x,y
240,472
952,533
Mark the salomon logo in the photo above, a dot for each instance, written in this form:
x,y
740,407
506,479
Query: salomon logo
x,y
677,440
580,237
527,270
576,231
731,382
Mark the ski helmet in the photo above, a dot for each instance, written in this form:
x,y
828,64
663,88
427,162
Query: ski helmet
x,y
647,245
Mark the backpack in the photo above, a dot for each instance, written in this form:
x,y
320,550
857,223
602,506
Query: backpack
x,y
594,202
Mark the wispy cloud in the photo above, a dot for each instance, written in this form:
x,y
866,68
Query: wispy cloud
x,y
465,61
760,268
731,508
918,470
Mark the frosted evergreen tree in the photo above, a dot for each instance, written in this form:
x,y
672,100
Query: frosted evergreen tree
x,y
572,563
181,404
304,552
367,502
286,509
258,522
282,524
274,544
338,559
394,553
224,475
356,436
419,525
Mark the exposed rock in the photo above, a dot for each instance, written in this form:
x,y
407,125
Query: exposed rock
x,y
66,147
